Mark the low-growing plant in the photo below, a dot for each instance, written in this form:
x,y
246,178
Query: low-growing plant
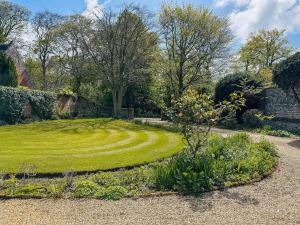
x,y
266,129
227,161
85,188
111,193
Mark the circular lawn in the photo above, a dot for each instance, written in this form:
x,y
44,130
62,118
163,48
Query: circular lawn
x,y
82,145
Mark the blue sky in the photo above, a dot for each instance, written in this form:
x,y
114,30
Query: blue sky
x,y
246,16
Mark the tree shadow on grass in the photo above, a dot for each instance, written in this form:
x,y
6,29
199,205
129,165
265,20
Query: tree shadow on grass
x,y
207,201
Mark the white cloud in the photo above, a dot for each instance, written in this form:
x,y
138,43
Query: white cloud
x,y
223,3
259,14
94,8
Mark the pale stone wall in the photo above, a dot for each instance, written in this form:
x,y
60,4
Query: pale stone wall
x,y
284,107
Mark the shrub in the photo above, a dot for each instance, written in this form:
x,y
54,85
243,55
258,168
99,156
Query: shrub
x,y
185,174
251,118
85,188
227,161
287,75
111,193
246,83
14,101
8,73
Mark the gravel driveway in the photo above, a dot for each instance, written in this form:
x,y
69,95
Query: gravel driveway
x,y
273,201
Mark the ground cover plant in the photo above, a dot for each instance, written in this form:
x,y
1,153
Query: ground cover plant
x,y
82,145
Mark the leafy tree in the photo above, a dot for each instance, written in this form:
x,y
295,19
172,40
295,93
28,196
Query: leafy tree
x,y
70,48
264,49
122,47
43,24
13,19
193,40
287,75
8,73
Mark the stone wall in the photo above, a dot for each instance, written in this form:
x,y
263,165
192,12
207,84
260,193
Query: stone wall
x,y
284,107
69,107
280,104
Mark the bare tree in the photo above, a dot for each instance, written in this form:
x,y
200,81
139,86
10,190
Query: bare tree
x,y
43,24
122,47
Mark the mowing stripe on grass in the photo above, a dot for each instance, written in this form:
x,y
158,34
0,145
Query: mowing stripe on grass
x,y
83,145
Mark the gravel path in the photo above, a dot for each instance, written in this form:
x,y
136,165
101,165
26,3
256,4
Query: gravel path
x,y
273,201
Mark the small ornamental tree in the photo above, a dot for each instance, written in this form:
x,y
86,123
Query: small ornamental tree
x,y
287,75
195,114
8,73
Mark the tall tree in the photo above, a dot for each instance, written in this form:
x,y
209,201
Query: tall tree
x,y
193,38
13,19
122,47
264,49
70,48
43,24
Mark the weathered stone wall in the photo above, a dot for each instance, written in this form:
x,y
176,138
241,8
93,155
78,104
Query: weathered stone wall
x,y
280,104
284,107
70,106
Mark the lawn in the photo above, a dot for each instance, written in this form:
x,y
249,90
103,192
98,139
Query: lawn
x,y
82,145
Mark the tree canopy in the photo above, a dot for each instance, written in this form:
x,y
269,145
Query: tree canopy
x,y
193,39
13,19
287,75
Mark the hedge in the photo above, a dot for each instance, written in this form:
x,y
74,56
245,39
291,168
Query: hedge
x,y
234,83
287,75
13,102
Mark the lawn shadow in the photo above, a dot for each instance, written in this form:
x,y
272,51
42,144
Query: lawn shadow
x,y
207,201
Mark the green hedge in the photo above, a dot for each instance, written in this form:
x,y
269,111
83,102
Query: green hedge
x,y
13,102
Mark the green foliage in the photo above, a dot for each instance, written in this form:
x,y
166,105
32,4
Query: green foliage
x,y
226,162
266,129
13,102
287,75
195,114
184,174
13,19
251,118
8,73
246,83
263,50
193,38
111,193
85,188
237,82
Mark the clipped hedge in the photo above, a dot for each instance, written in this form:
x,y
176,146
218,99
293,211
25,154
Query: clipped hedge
x,y
14,101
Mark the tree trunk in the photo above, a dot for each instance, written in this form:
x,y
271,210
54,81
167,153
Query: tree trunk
x,y
118,101
44,81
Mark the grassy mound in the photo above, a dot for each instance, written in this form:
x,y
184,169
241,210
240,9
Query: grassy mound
x,y
82,145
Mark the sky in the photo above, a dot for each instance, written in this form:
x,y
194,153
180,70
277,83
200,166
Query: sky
x,y
245,16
